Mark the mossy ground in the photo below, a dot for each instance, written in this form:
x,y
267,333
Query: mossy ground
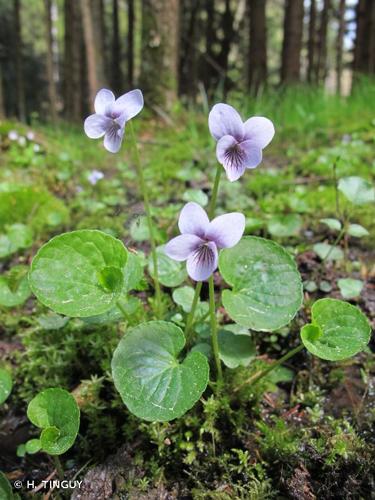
x,y
306,431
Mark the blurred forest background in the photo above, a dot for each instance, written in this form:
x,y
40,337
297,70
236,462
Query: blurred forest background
x,y
56,54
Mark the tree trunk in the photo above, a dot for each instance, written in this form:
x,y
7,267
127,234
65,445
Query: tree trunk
x,y
360,41
2,107
188,60
208,71
52,98
97,24
94,56
311,44
20,89
159,72
103,37
371,31
364,50
73,44
321,67
339,44
116,49
131,26
292,41
257,63
227,29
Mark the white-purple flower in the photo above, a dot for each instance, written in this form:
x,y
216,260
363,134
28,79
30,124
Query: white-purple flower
x,y
111,116
239,144
13,135
95,176
201,239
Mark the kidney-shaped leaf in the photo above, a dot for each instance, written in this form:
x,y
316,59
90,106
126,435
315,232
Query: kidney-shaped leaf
x,y
79,274
235,348
151,380
338,330
357,190
267,287
56,412
171,272
13,292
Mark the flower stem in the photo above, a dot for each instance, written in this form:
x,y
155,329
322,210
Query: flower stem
x,y
215,189
258,375
59,467
337,241
214,335
190,318
146,202
123,311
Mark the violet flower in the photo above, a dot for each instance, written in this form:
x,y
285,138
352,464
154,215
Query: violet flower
x,y
201,239
239,144
111,116
95,176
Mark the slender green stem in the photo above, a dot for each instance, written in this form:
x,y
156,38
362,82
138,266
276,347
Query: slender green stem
x,y
190,318
146,202
215,189
337,241
337,198
257,376
123,311
59,467
214,335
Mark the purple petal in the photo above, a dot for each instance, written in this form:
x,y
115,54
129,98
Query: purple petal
x,y
252,153
193,220
259,129
231,156
203,262
113,138
104,101
95,126
224,120
182,246
130,103
226,230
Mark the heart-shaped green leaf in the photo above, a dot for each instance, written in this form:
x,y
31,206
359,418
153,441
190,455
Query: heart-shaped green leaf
x,y
267,287
235,348
327,251
171,272
79,274
56,412
14,287
184,296
338,330
357,230
333,224
151,380
133,273
357,190
33,446
5,384
283,226
350,288
197,196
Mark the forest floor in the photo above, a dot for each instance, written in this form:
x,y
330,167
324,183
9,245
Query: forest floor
x,y
304,432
